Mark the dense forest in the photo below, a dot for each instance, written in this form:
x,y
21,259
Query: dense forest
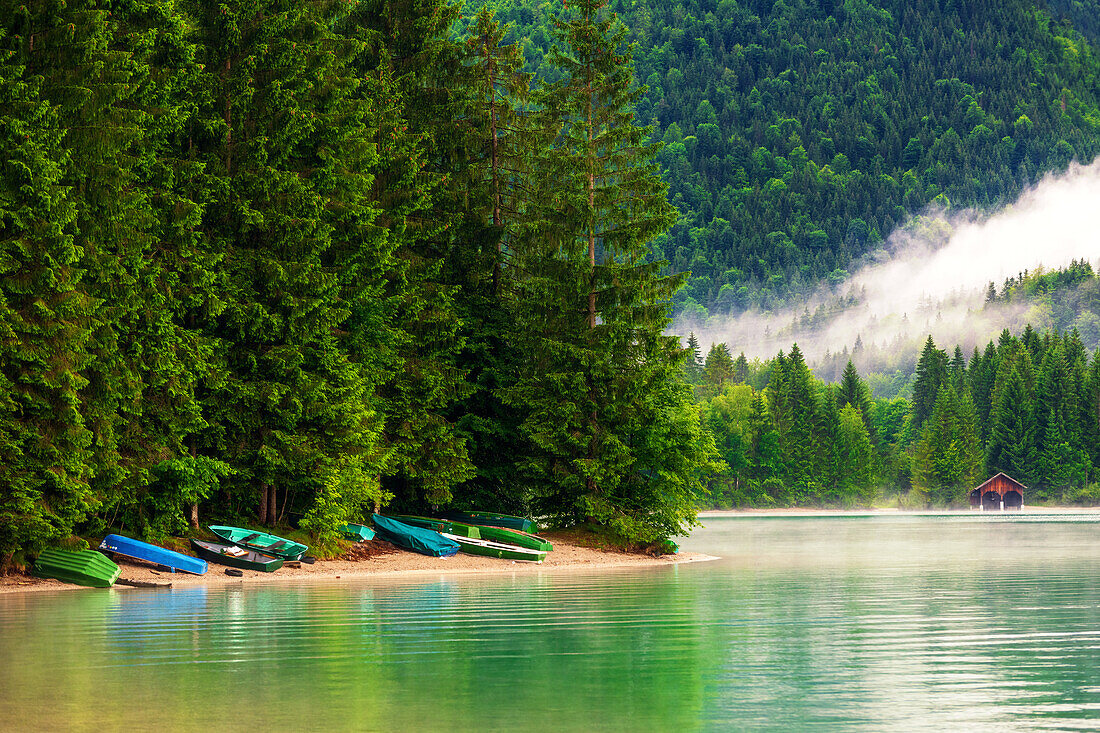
x,y
283,263
800,133
287,262
1028,406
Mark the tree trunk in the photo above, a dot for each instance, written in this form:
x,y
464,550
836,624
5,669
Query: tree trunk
x,y
195,516
491,71
273,506
263,504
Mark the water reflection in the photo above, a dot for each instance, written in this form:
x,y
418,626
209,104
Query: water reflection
x,y
861,625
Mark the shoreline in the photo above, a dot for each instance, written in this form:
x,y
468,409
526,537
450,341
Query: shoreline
x,y
891,511
565,557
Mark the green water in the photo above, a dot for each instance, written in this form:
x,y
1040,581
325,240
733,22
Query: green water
x,y
889,623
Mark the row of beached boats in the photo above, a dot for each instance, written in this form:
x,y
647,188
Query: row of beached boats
x,y
476,533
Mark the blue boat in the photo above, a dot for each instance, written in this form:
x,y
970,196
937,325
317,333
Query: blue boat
x,y
151,553
417,539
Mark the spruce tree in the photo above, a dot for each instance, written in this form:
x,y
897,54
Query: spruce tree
x,y
948,459
1012,436
284,151
931,373
853,392
411,334
45,315
615,437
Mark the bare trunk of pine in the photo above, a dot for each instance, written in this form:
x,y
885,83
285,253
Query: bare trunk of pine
x,y
494,142
590,483
228,122
263,504
273,507
194,513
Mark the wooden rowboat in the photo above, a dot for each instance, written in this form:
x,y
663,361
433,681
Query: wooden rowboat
x,y
417,539
438,525
514,537
236,557
357,532
494,519
268,544
488,548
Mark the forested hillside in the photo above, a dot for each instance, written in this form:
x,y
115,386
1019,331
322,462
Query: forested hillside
x,y
799,134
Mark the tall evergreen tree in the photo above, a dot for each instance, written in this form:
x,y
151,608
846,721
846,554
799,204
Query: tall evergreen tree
x,y
421,187
931,373
1012,435
854,393
948,459
45,315
284,141
693,368
615,438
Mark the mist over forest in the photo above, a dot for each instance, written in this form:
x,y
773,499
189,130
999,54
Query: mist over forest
x,y
961,277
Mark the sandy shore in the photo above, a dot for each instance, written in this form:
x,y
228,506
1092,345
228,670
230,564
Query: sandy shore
x,y
566,557
885,511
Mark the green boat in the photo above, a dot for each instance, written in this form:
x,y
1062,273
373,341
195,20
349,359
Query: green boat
x,y
493,518
357,532
514,537
86,567
268,544
487,548
236,557
439,525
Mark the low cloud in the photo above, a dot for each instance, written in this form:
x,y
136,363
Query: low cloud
x,y
931,277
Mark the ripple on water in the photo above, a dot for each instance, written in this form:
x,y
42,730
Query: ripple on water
x,y
857,625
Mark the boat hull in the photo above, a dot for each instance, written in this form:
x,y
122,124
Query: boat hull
x,y
494,519
439,525
86,567
151,553
417,539
488,548
267,544
251,560
515,537
357,532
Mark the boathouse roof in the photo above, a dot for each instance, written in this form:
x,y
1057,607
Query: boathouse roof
x,y
1001,483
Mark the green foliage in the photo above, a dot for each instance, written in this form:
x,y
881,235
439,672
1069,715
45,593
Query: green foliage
x,y
799,135
948,458
807,448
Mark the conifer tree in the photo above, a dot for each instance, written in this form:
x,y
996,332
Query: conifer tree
x,y
856,456
719,366
948,459
931,372
615,439
45,314
693,367
421,187
854,393
1012,435
284,142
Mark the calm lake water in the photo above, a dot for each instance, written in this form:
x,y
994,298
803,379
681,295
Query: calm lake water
x,y
972,623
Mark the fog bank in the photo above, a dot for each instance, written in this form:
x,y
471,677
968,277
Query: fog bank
x,y
931,277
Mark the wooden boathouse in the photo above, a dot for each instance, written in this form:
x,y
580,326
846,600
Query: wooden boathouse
x,y
998,493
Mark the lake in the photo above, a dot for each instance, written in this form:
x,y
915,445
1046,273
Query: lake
x,y
935,622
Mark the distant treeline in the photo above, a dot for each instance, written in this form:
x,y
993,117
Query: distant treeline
x,y
801,133
1028,406
285,262
1065,300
